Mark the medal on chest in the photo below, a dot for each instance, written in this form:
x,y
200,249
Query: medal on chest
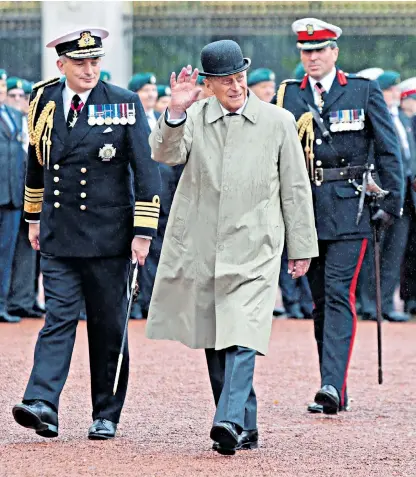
x,y
107,152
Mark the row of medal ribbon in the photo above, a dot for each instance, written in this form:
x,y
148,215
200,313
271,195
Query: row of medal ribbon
x,y
347,120
100,114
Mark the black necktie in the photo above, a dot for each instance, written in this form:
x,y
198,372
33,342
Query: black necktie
x,y
322,95
74,110
232,114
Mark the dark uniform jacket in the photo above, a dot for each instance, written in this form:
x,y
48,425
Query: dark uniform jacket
x,y
12,160
409,163
87,206
336,203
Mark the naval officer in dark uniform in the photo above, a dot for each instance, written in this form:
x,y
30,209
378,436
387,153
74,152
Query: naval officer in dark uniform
x,y
87,140
338,118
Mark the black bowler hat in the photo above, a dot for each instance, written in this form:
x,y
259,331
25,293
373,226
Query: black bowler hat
x,y
223,58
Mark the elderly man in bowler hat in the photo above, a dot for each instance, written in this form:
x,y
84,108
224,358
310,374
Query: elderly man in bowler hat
x,y
243,188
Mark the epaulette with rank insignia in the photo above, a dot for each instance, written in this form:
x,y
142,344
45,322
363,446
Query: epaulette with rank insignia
x,y
48,82
281,91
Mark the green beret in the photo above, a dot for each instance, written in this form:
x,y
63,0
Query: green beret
x,y
200,79
299,72
3,74
13,82
163,90
388,79
28,86
260,75
138,80
105,75
63,79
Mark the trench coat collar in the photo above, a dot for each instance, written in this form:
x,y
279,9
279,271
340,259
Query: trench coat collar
x,y
250,112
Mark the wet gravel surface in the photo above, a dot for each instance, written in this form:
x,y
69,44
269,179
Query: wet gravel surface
x,y
164,428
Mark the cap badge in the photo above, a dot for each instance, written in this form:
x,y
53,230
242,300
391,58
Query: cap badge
x,y
107,152
19,84
86,40
310,30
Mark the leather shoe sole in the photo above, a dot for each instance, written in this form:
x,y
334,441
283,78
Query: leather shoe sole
x,y
225,440
99,437
31,420
327,401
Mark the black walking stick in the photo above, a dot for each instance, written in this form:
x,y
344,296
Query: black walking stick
x,y
376,244
123,341
371,189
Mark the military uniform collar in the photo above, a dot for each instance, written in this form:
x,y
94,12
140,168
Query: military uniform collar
x,y
326,82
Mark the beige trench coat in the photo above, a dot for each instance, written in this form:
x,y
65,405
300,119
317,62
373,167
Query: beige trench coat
x,y
243,187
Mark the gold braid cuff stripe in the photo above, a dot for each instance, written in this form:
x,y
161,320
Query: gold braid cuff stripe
x,y
33,208
148,222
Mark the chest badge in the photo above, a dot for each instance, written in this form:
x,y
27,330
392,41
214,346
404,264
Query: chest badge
x,y
107,152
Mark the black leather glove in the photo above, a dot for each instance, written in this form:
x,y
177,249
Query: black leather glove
x,y
382,218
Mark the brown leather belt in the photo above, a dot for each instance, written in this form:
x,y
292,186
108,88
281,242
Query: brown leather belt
x,y
338,174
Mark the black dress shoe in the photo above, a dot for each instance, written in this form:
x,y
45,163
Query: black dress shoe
x,y
368,317
278,311
293,311
314,408
396,316
37,415
21,313
225,434
38,307
246,440
102,429
328,398
6,318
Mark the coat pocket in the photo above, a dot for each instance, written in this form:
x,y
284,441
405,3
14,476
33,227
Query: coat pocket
x,y
346,209
180,216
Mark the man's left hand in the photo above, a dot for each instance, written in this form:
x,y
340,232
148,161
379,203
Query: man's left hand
x,y
298,268
140,249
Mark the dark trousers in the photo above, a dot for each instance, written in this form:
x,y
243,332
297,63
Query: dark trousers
x,y
9,228
102,281
333,279
392,250
408,276
231,374
294,292
22,289
147,273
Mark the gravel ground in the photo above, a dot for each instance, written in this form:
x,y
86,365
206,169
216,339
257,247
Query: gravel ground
x,y
164,430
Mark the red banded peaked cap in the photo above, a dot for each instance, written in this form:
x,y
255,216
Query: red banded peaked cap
x,y
314,33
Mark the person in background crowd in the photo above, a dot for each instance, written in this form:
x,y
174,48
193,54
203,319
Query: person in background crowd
x,y
22,300
144,84
263,83
299,71
15,92
219,266
205,91
339,117
408,279
105,76
92,202
12,179
163,98
395,238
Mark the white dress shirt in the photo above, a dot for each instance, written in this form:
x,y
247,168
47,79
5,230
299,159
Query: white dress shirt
x,y
326,83
151,118
68,94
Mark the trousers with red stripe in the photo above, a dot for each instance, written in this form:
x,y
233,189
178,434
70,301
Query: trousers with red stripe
x,y
333,279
